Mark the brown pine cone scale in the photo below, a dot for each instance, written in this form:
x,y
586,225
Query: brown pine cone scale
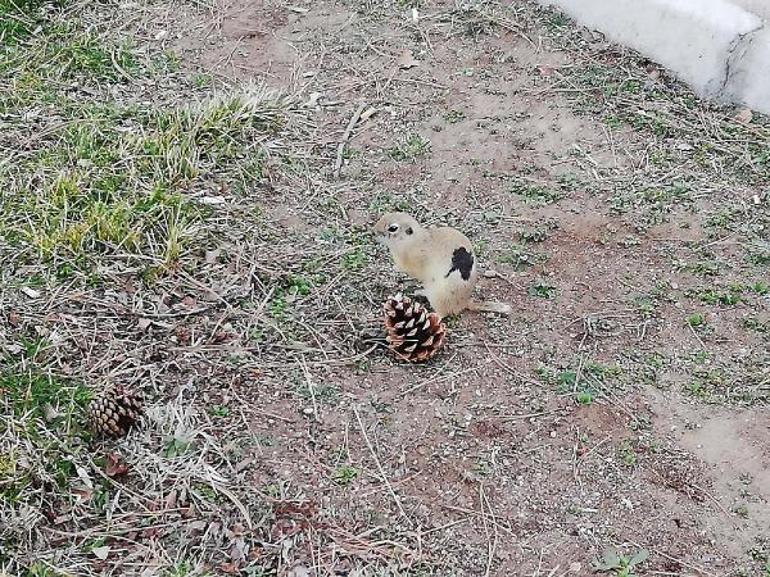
x,y
413,333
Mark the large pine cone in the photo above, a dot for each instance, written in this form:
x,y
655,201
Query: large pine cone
x,y
413,333
114,411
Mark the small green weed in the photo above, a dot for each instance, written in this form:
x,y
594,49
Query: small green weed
x,y
627,454
411,147
454,116
534,234
534,193
620,565
519,256
355,260
651,206
542,289
344,475
758,254
757,325
324,392
219,411
177,446
696,320
726,298
760,288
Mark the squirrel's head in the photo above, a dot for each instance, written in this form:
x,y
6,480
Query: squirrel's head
x,y
395,228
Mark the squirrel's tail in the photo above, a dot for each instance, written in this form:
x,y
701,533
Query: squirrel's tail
x,y
490,307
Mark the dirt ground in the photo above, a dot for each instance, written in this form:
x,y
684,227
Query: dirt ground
x,y
486,468
622,406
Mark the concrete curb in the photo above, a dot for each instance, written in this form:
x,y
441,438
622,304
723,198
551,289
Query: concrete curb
x,y
718,47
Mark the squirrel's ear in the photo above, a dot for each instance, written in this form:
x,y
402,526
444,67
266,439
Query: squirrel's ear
x,y
409,230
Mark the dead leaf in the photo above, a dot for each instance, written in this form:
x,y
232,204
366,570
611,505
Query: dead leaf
x,y
229,568
366,114
545,70
312,102
115,465
189,302
83,493
243,464
30,292
299,571
50,413
171,499
84,476
653,72
101,552
143,324
197,525
13,349
183,335
744,115
213,200
14,319
406,60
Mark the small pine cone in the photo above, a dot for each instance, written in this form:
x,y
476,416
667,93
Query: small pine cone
x,y
114,411
413,333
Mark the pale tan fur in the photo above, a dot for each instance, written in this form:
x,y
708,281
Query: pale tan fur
x,y
425,254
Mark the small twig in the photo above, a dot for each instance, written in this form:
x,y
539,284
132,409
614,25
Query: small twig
x,y
380,469
528,415
345,138
491,544
697,337
503,365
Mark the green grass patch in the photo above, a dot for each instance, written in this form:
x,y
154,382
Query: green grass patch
x,y
586,381
44,420
38,396
534,193
651,206
411,147
89,175
115,179
723,297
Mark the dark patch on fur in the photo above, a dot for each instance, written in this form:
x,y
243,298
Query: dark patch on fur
x,y
462,261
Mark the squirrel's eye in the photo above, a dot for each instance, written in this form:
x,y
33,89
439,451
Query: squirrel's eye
x,y
393,228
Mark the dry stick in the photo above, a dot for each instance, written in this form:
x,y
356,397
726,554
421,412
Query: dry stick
x,y
503,365
492,545
310,387
474,513
441,377
697,337
345,138
380,469
712,498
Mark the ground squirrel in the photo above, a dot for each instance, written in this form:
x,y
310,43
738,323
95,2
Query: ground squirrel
x,y
441,259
